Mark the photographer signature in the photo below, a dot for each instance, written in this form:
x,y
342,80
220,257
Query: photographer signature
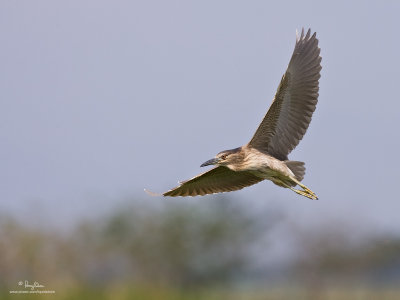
x,y
32,286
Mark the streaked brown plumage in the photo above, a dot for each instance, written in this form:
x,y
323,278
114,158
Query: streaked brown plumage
x,y
284,125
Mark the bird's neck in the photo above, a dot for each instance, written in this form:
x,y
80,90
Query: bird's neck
x,y
249,159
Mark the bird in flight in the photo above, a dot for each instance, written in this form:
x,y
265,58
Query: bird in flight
x,y
284,125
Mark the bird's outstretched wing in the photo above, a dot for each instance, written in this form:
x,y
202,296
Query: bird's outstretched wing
x,y
290,113
217,180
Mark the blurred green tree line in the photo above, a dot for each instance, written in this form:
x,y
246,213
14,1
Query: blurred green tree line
x,y
187,246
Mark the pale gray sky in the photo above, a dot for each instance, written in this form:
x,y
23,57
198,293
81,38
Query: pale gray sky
x,y
100,99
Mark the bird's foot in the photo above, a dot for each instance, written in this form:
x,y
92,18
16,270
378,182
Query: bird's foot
x,y
305,193
306,190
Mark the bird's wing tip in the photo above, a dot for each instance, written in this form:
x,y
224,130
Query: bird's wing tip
x,y
302,35
299,36
152,193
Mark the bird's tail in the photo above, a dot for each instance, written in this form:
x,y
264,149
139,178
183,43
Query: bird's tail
x,y
297,167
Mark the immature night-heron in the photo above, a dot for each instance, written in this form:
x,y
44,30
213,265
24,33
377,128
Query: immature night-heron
x,y
284,125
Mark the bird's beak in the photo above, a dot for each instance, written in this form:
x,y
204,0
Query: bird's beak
x,y
212,161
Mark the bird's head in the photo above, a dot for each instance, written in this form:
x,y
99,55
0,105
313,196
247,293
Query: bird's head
x,y
225,158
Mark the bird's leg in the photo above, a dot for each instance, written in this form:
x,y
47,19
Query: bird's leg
x,y
304,193
304,187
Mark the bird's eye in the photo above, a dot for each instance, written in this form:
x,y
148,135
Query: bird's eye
x,y
224,156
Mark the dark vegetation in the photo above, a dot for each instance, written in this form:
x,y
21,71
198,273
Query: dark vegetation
x,y
196,250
